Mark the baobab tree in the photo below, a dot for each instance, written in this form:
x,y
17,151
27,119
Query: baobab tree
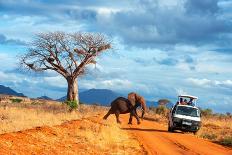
x,y
65,53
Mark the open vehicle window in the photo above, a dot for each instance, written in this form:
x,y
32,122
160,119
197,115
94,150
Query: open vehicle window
x,y
188,111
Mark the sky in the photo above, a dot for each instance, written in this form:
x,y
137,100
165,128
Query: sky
x,y
161,48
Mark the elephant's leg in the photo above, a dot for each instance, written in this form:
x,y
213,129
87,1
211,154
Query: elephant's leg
x,y
133,112
107,115
138,115
130,119
117,116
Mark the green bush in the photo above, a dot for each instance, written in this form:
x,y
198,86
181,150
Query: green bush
x,y
72,104
16,100
209,136
226,141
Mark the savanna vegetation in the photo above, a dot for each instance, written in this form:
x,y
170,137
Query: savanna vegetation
x,y
53,121
16,116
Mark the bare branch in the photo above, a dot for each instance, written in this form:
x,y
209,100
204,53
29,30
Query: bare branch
x,y
67,54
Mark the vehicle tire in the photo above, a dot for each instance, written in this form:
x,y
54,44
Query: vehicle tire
x,y
195,132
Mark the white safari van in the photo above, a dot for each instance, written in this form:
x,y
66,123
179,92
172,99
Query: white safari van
x,y
184,115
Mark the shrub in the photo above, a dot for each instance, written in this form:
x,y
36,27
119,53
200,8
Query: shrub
x,y
209,136
72,104
16,100
152,108
228,114
207,112
161,110
226,141
36,103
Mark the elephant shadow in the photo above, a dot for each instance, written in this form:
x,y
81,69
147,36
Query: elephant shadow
x,y
148,130
151,119
139,129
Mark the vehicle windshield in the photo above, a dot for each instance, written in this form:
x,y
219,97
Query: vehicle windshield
x,y
188,111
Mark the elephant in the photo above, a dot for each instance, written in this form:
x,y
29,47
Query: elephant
x,y
137,100
122,105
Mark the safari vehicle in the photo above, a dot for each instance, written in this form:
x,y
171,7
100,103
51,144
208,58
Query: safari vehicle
x,y
185,116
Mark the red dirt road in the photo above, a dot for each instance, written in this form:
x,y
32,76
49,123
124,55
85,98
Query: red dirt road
x,y
157,141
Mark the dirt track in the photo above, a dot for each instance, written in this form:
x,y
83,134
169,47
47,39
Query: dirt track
x,y
62,140
156,140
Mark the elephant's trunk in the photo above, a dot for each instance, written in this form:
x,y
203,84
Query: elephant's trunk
x,y
144,109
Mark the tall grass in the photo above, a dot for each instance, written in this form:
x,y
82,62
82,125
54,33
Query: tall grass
x,y
92,134
217,129
15,119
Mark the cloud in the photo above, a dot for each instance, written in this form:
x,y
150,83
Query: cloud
x,y
4,40
56,81
114,84
226,84
202,7
149,24
168,61
142,23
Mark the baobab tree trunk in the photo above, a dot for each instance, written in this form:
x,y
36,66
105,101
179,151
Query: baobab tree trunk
x,y
72,92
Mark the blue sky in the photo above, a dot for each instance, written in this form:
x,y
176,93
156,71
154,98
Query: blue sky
x,y
161,48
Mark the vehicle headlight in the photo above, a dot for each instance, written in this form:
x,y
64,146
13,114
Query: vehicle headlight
x,y
175,119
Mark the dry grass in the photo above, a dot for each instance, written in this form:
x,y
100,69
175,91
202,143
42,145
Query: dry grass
x,y
217,129
92,135
15,119
20,116
108,137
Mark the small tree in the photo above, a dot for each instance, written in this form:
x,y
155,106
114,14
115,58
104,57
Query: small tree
x,y
65,53
163,101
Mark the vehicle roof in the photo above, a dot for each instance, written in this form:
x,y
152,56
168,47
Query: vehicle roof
x,y
188,96
181,105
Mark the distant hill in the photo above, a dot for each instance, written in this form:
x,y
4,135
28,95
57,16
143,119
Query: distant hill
x,y
152,103
62,99
99,96
156,104
45,98
105,97
9,91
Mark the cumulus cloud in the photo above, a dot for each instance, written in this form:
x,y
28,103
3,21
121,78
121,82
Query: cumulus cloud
x,y
146,23
114,84
211,83
4,40
55,81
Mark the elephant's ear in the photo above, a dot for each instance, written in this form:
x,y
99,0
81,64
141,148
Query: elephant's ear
x,y
137,97
132,98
